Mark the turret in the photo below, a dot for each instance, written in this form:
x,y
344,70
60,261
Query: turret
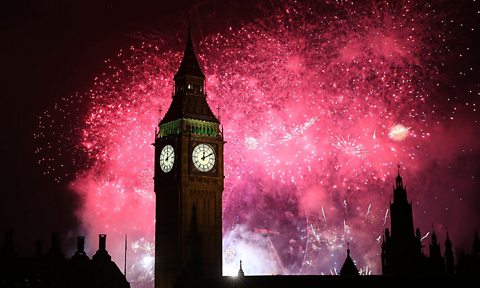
x,y
189,99
436,262
449,260
240,271
349,268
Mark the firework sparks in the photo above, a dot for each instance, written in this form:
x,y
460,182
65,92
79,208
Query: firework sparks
x,y
348,146
399,132
316,103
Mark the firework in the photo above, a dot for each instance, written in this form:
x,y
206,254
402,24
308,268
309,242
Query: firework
x,y
398,132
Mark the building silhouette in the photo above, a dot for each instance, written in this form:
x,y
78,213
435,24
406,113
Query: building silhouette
x,y
401,249
188,182
349,268
53,269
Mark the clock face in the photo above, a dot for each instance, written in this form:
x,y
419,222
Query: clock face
x,y
167,158
203,157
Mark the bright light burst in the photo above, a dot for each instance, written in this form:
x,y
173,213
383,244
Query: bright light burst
x,y
398,132
303,90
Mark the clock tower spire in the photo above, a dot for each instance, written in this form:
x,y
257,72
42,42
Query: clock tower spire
x,y
188,182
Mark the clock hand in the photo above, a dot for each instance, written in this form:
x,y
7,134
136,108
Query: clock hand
x,y
166,158
203,158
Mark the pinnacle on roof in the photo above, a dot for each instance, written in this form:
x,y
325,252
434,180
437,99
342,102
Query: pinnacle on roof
x,y
189,65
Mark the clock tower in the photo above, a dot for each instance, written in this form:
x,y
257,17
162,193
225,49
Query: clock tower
x,y
188,182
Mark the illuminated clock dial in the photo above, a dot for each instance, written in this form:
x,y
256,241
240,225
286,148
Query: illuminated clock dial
x,y
167,158
203,157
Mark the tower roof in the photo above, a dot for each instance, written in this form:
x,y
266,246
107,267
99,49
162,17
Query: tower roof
x,y
349,268
189,100
189,65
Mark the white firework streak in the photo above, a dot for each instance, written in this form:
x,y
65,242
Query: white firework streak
x,y
314,233
298,130
323,213
385,218
426,235
368,209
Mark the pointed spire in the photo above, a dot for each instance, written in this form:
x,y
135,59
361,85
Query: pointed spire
x,y
240,271
434,235
449,260
189,99
189,65
448,244
349,268
399,181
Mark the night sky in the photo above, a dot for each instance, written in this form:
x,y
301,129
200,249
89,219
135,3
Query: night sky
x,y
320,101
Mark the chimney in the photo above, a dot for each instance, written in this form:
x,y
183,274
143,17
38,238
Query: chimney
x,y
80,244
102,254
80,253
102,242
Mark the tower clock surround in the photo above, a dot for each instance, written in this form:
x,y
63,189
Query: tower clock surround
x,y
188,182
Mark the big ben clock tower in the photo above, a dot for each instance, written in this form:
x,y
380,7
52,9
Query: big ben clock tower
x,y
188,182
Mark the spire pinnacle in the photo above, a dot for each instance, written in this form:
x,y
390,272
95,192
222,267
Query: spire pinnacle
x,y
349,268
448,243
434,235
189,65
399,182
189,96
240,271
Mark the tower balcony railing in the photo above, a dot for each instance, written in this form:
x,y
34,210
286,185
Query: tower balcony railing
x,y
189,126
